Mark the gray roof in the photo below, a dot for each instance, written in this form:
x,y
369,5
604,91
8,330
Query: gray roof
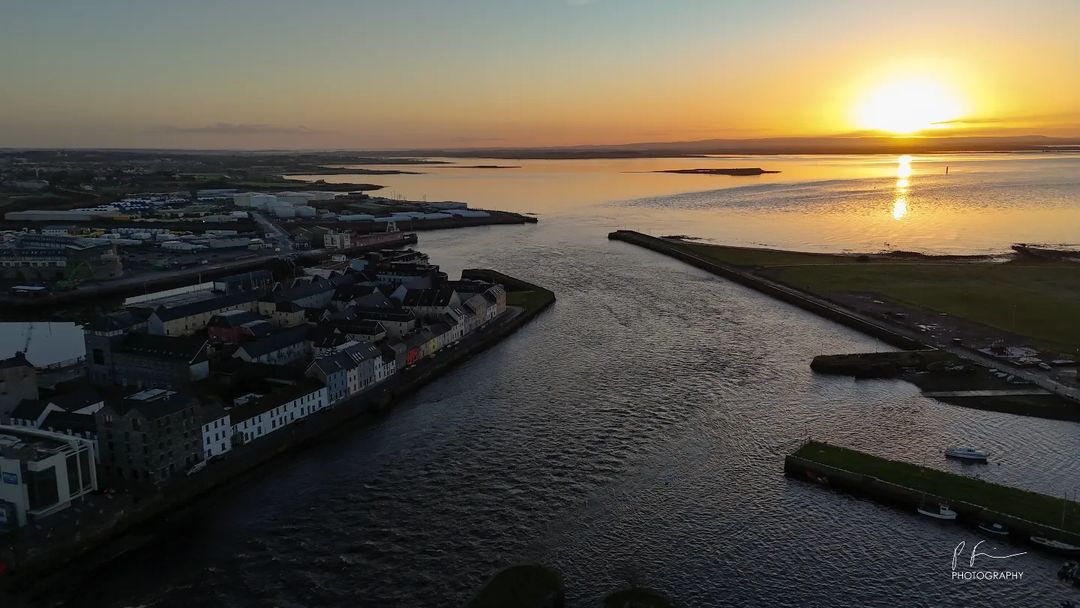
x,y
29,409
234,318
436,296
69,421
116,321
276,341
77,399
184,348
303,290
170,402
203,306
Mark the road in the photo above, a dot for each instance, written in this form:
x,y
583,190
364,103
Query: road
x,y
282,240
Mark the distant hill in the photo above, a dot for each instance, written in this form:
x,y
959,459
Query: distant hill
x,y
772,145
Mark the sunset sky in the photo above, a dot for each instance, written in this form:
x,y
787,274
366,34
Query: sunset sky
x,y
463,73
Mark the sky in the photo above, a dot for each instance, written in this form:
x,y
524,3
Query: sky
x,y
476,73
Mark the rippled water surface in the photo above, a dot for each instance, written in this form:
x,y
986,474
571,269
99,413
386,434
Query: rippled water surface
x,y
635,431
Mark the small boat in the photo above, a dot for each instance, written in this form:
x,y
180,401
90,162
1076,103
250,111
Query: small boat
x,y
1055,545
938,512
994,528
966,453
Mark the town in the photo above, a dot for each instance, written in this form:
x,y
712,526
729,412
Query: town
x,y
101,223
177,380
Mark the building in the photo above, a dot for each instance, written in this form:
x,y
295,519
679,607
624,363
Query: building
x,y
430,303
103,334
50,257
361,372
150,436
421,276
281,348
145,360
332,370
245,281
314,293
186,319
34,412
216,432
236,326
395,321
369,331
270,412
18,381
42,473
337,240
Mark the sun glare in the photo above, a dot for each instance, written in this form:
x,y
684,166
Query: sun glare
x,y
908,106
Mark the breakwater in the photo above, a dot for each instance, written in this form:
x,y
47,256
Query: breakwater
x,y
909,486
779,291
40,560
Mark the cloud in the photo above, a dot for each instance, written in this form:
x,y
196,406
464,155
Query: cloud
x,y
1019,119
580,2
233,128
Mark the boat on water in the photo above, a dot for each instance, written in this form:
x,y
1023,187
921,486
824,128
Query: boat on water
x,y
994,528
1055,545
966,453
937,511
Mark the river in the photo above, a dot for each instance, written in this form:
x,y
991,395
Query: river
x,y
635,431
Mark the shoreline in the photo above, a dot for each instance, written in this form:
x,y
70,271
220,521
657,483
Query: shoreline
x,y
126,286
882,327
140,524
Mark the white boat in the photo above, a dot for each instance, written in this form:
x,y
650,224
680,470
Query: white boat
x,y
1055,545
994,528
938,512
966,453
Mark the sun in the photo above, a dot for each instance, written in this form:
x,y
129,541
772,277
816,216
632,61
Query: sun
x,y
908,105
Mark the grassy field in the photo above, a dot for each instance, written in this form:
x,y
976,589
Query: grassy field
x,y
1040,300
1019,503
750,257
527,299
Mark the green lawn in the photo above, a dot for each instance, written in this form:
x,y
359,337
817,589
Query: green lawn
x,y
754,257
1019,503
527,299
1040,300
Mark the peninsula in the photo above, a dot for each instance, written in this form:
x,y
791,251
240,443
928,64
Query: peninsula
x,y
992,354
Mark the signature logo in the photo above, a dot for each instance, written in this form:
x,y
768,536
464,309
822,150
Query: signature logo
x,y
975,574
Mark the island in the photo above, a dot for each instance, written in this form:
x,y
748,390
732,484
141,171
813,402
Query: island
x,y
738,171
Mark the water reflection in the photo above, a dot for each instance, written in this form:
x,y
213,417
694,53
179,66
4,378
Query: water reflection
x,y
903,175
899,207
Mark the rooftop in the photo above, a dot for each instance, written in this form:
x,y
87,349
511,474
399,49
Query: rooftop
x,y
184,348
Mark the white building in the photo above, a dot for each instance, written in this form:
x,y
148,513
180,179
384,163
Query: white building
x,y
274,411
337,240
217,435
42,473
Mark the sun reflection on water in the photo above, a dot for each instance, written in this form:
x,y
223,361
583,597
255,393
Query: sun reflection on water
x,y
903,182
